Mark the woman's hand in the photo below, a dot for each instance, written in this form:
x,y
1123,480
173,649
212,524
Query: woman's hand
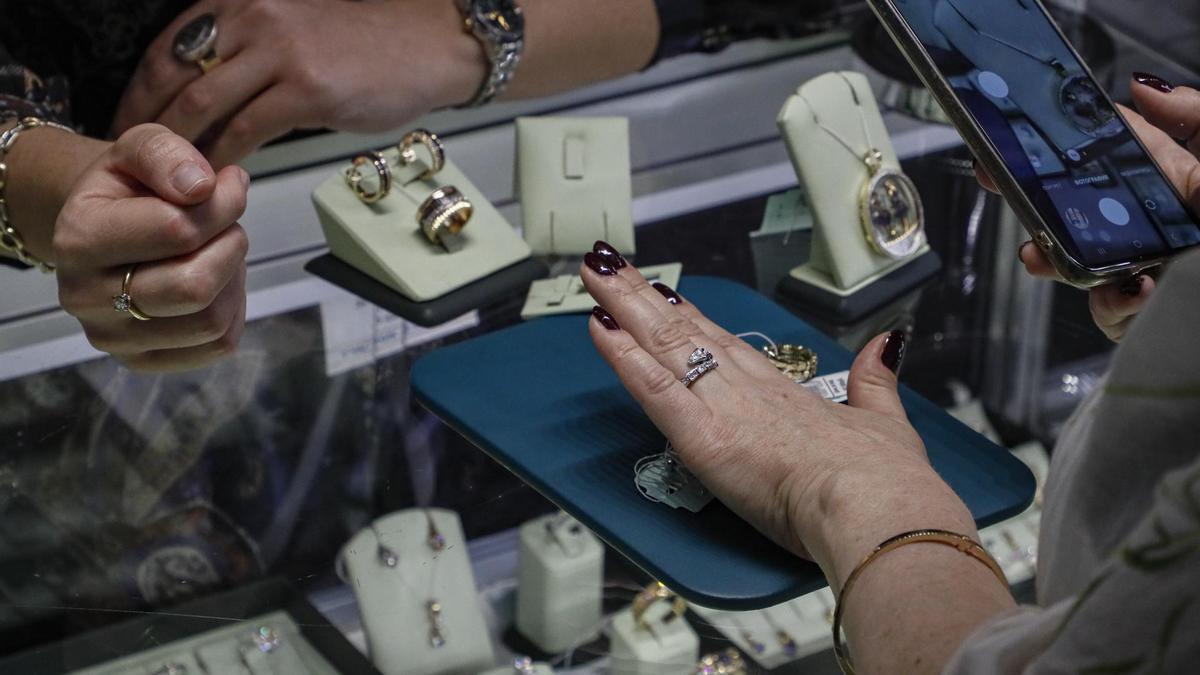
x,y
824,480
292,64
1167,114
151,200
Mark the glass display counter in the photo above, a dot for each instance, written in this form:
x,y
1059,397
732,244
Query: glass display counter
x,y
127,497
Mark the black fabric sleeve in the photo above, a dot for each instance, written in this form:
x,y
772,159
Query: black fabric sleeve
x,y
690,26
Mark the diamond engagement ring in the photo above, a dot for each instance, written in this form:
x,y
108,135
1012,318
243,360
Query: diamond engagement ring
x,y
123,303
701,362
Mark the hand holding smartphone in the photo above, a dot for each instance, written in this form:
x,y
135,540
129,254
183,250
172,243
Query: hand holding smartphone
x,y
1091,196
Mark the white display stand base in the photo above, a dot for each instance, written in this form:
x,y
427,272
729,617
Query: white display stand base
x,y
673,648
384,239
392,600
559,597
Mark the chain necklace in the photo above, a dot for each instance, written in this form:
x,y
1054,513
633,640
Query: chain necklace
x,y
890,209
1047,60
433,607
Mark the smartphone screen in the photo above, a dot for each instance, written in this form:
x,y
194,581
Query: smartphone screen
x,y
1058,133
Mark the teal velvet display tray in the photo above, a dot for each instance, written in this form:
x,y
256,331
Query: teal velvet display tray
x,y
539,400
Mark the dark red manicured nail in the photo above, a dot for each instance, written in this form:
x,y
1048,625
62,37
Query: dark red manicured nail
x,y
613,256
1154,82
893,350
671,296
605,318
1132,287
600,265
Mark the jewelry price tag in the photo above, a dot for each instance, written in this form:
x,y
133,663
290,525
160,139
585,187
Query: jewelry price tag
x,y
358,333
830,387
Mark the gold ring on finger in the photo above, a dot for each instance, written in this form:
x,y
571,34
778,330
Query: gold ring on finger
x,y
124,303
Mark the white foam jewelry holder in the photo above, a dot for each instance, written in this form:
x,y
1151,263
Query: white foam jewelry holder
x,y
394,619
673,648
574,182
385,241
842,262
560,587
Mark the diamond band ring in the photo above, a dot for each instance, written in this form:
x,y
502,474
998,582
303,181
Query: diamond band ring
x,y
701,362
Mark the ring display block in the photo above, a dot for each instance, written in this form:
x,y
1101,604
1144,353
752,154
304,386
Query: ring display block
x,y
575,434
385,241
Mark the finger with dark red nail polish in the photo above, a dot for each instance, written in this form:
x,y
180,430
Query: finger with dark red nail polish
x,y
599,265
1132,287
893,350
1154,82
605,318
666,291
613,256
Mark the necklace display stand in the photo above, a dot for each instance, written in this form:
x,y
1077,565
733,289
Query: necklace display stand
x,y
398,575
379,250
561,578
845,277
670,647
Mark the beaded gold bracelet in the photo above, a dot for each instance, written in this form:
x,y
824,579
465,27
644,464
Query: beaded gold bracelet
x,y
10,238
962,543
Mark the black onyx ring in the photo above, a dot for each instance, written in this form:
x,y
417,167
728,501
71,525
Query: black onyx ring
x,y
196,42
701,362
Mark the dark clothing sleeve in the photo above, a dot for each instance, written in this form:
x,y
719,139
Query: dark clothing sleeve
x,y
711,25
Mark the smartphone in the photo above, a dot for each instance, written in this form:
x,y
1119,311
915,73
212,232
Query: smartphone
x,y
1056,145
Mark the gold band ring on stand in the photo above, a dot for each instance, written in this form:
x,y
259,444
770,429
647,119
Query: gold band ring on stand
x,y
652,594
355,178
445,212
124,302
408,152
196,43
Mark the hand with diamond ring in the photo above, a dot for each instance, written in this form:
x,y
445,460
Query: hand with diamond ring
x,y
826,481
151,203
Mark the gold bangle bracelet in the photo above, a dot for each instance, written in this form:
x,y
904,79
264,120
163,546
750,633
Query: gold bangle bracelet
x,y
10,239
960,542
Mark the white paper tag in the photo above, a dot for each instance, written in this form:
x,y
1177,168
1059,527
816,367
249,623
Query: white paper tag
x,y
357,333
830,387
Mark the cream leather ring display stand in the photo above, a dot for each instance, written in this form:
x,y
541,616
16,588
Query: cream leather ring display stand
x,y
385,241
574,183
838,143
561,575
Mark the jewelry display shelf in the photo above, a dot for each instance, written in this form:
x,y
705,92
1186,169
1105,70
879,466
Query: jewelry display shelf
x,y
539,399
510,281
154,630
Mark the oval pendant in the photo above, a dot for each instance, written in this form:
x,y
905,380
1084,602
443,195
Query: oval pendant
x,y
893,217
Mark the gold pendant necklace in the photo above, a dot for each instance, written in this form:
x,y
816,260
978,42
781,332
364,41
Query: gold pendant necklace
x,y
890,208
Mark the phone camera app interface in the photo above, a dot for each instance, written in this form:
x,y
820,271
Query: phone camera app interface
x,y
1066,145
